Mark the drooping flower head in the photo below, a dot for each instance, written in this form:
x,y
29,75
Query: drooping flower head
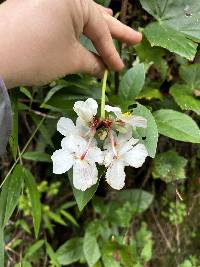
x,y
79,146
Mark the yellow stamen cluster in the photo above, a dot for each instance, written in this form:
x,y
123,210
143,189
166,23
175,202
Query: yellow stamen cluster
x,y
127,114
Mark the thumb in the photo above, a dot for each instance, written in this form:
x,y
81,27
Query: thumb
x,y
89,62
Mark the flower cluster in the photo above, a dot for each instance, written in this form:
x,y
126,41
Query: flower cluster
x,y
80,147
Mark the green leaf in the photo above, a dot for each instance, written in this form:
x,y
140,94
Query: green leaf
x,y
61,84
109,261
184,94
70,252
108,251
160,34
191,75
87,43
10,194
33,249
52,255
148,136
132,83
186,263
105,3
82,197
149,54
150,93
35,200
69,217
37,156
26,92
8,201
178,22
91,249
140,199
169,166
23,264
14,136
184,97
142,243
56,218
177,125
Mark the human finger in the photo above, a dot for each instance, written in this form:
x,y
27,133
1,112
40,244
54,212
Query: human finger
x,y
97,30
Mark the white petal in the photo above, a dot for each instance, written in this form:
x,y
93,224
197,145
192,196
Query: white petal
x,y
85,174
115,110
95,154
82,127
127,146
86,110
135,121
65,126
136,156
115,175
62,161
108,157
74,144
123,137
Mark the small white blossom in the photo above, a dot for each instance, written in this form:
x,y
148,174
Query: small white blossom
x,y
123,150
76,152
128,119
86,110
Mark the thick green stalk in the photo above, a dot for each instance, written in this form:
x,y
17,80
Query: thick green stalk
x,y
103,96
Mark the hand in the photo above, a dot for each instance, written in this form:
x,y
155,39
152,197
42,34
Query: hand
x,y
40,40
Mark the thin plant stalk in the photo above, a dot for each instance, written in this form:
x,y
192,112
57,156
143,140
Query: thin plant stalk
x,y
23,151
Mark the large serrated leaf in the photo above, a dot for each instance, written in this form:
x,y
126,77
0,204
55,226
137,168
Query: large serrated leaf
x,y
169,166
161,34
177,125
179,18
184,97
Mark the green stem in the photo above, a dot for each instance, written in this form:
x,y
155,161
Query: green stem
x,y
23,151
103,96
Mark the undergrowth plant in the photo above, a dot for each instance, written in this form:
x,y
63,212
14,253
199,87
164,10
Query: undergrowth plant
x,y
138,130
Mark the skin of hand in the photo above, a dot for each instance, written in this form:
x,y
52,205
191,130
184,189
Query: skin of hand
x,y
40,40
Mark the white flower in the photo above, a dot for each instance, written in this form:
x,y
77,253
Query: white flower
x,y
127,118
76,152
123,150
86,110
